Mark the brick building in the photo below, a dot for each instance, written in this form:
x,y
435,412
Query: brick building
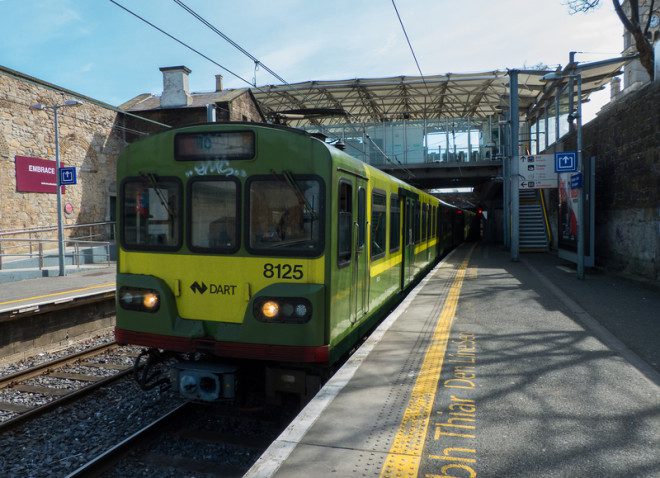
x,y
177,106
91,136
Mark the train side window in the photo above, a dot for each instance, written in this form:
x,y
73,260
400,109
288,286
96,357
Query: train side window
x,y
395,222
213,215
416,222
344,223
151,213
425,214
378,224
434,224
362,216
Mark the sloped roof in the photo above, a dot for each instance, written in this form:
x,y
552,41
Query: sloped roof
x,y
147,101
453,95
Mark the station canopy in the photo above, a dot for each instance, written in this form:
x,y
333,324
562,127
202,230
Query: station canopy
x,y
388,99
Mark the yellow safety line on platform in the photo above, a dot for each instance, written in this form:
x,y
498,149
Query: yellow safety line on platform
x,y
58,293
405,455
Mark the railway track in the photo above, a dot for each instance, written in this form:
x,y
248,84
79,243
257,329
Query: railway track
x,y
198,440
24,396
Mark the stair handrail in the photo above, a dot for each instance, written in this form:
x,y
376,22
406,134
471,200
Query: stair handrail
x,y
545,218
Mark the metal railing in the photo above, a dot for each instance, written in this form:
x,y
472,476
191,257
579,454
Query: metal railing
x,y
83,242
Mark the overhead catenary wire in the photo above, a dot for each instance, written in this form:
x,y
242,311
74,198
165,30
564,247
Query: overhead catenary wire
x,y
411,47
181,42
256,61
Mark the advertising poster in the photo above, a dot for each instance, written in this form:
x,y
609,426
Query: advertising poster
x,y
568,202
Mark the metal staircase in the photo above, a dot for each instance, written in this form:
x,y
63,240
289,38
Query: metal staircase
x,y
533,230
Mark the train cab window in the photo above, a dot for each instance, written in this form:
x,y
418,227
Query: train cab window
x,y
378,224
285,215
362,216
344,223
151,210
213,214
395,222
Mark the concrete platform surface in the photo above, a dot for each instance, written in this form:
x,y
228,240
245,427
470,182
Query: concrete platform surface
x,y
491,368
29,293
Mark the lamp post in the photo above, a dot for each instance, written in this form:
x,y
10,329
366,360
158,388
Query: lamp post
x,y
60,224
580,204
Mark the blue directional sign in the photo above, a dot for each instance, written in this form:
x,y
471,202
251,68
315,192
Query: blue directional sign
x,y
68,176
565,162
576,181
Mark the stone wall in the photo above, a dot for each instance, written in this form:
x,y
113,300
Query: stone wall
x,y
625,139
91,139
244,108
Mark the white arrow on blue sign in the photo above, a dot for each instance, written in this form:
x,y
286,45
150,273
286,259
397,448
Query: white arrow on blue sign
x,y
68,176
565,162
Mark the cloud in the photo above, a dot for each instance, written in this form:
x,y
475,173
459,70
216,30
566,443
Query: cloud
x,y
86,68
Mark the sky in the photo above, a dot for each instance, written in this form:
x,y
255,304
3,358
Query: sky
x,y
97,49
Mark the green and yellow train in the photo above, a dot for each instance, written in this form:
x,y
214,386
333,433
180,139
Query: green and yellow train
x,y
244,242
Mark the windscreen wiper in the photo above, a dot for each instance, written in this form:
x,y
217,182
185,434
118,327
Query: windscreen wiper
x,y
153,181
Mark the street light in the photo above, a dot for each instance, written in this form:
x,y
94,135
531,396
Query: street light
x,y
60,225
580,211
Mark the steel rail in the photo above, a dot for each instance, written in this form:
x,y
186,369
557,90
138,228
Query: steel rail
x,y
43,370
105,460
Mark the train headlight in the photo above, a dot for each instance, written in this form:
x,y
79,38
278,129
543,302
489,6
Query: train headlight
x,y
143,300
301,310
150,301
296,310
270,309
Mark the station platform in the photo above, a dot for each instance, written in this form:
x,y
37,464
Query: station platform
x,y
492,368
29,294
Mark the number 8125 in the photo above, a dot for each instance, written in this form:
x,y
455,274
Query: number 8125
x,y
283,271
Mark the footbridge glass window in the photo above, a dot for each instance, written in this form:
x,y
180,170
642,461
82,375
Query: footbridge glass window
x,y
378,224
285,215
151,209
213,215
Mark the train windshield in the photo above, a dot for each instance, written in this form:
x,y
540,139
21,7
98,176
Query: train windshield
x,y
151,214
285,215
213,213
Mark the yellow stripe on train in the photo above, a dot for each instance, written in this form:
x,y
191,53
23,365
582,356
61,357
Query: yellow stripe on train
x,y
219,288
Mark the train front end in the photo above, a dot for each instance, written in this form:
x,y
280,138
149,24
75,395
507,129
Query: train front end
x,y
221,254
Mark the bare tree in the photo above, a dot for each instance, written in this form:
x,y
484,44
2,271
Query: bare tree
x,y
631,22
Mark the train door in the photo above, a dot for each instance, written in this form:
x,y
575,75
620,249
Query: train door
x,y
361,255
353,273
408,255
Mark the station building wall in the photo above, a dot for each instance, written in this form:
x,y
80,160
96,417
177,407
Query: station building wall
x,y
625,139
91,139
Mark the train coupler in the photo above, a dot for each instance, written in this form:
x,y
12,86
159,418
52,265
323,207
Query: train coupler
x,y
208,382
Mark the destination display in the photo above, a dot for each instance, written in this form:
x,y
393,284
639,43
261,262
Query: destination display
x,y
214,145
537,172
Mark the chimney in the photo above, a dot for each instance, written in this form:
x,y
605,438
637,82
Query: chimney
x,y
176,91
615,87
218,83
